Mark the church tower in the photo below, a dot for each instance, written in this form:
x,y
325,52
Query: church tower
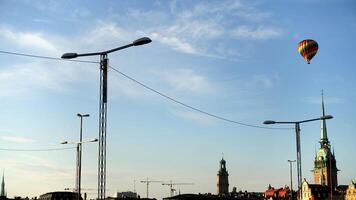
x,y
325,170
223,180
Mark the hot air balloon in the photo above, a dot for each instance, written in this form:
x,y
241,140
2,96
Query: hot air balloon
x,y
308,49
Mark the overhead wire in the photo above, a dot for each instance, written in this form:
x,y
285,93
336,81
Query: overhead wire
x,y
47,57
188,106
151,89
50,149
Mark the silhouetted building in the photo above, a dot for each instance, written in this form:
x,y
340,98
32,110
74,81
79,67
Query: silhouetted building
x,y
223,179
59,196
325,170
242,196
128,194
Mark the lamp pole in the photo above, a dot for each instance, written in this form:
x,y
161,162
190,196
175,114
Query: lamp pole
x,y
291,177
103,106
78,163
79,176
297,134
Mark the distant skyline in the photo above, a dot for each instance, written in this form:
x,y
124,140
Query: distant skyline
x,y
237,59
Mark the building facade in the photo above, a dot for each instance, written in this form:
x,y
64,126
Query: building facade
x,y
325,170
223,179
314,191
351,192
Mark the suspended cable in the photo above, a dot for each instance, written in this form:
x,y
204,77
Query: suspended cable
x,y
149,88
46,57
188,106
51,149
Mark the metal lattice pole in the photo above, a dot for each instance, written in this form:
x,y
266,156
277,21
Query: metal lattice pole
x,y
102,126
299,160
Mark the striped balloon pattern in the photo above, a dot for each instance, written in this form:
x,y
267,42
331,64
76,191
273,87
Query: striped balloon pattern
x,y
308,49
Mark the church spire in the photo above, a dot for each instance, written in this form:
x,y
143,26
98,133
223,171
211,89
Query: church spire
x,y
2,192
323,133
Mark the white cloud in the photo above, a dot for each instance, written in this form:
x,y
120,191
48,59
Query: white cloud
x,y
186,80
106,33
17,139
23,78
175,43
29,40
260,33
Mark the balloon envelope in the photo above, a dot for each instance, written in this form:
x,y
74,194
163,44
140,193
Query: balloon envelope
x,y
308,49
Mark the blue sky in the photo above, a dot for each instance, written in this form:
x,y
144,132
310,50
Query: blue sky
x,y
236,59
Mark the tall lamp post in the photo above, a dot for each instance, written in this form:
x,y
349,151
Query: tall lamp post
x,y
291,178
80,152
297,133
79,163
103,106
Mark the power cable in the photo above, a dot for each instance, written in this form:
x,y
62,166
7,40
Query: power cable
x,y
190,107
149,88
47,57
51,149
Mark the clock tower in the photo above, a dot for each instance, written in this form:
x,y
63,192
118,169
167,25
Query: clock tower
x,y
223,180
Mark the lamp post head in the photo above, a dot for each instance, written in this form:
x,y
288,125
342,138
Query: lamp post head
x,y
69,55
80,115
326,117
93,140
64,142
269,122
141,41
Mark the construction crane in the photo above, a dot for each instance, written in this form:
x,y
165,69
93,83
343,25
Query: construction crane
x,y
171,184
148,183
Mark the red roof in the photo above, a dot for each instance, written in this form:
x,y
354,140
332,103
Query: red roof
x,y
281,192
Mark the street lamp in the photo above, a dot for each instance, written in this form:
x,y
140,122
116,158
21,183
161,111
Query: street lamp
x,y
291,178
80,153
103,106
297,132
79,163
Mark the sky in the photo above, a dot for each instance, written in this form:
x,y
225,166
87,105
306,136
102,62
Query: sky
x,y
235,59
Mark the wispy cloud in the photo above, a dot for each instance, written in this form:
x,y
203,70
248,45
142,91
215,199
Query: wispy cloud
x,y
199,29
17,139
175,43
262,81
195,117
24,78
29,40
260,33
186,80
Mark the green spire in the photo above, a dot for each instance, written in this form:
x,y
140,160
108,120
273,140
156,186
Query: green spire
x,y
323,133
